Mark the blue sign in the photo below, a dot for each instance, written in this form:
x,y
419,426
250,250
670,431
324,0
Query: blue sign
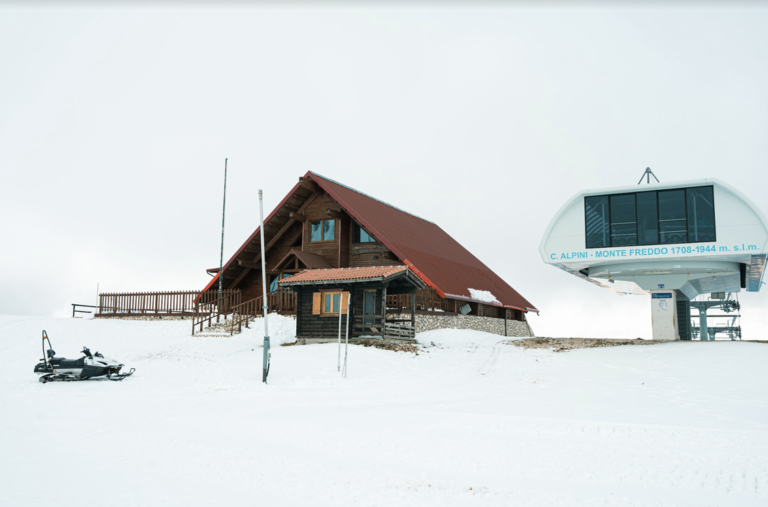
x,y
663,295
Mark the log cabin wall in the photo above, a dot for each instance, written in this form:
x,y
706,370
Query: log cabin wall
x,y
318,326
314,212
371,254
492,311
346,237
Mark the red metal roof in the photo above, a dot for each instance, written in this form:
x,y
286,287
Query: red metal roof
x,y
430,252
340,274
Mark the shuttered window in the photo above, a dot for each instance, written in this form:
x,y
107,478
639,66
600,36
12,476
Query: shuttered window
x,y
329,303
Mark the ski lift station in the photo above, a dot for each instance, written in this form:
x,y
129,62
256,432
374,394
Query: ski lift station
x,y
686,244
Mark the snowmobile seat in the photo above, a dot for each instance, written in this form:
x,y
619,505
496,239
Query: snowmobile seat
x,y
71,363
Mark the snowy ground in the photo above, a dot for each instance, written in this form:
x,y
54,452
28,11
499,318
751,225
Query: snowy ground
x,y
470,422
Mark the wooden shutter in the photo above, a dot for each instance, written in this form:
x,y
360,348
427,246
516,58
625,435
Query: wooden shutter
x,y
344,298
316,301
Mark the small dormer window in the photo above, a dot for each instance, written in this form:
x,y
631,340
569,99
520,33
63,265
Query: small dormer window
x,y
361,236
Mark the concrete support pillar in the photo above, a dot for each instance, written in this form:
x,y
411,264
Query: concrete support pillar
x,y
664,315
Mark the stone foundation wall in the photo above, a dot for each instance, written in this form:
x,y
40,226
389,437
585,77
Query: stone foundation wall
x,y
425,322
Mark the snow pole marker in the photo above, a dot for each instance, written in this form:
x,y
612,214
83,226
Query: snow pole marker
x,y
264,306
346,345
338,359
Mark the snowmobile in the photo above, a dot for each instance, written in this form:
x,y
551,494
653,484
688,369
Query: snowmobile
x,y
54,368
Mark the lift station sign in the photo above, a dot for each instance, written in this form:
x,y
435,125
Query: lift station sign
x,y
655,251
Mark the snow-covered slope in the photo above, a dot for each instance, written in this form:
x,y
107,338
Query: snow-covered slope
x,y
469,421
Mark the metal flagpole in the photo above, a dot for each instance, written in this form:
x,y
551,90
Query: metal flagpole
x,y
346,346
221,257
265,363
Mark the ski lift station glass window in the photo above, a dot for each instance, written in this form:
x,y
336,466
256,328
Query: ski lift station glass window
x,y
664,217
683,239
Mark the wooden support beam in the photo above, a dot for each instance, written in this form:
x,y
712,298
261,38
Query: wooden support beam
x,y
292,207
252,249
248,264
309,185
274,239
299,217
334,213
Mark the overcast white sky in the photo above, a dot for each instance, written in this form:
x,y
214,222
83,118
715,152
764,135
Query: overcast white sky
x,y
114,126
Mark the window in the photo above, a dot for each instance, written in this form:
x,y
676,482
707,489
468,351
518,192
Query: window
x,y
701,214
322,230
273,279
647,219
597,221
685,215
329,303
623,220
361,236
672,221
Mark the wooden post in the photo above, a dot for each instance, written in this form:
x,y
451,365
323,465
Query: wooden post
x,y
505,321
413,314
383,312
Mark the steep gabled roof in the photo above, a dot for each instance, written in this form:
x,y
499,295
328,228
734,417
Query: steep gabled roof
x,y
439,260
424,247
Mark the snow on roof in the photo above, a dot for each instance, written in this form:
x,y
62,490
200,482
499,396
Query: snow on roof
x,y
483,295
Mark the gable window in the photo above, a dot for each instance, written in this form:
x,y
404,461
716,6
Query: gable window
x,y
322,230
361,236
681,215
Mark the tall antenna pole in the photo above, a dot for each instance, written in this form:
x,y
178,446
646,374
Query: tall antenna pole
x,y
223,211
265,362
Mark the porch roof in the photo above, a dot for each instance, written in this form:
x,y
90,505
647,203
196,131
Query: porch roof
x,y
350,275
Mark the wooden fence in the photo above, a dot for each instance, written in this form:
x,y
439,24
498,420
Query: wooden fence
x,y
180,302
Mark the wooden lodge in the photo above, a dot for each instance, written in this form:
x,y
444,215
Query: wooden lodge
x,y
326,241
327,244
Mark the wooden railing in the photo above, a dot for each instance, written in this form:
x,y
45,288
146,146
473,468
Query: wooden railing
x,y
141,303
392,330
280,300
208,305
379,325
426,299
243,314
